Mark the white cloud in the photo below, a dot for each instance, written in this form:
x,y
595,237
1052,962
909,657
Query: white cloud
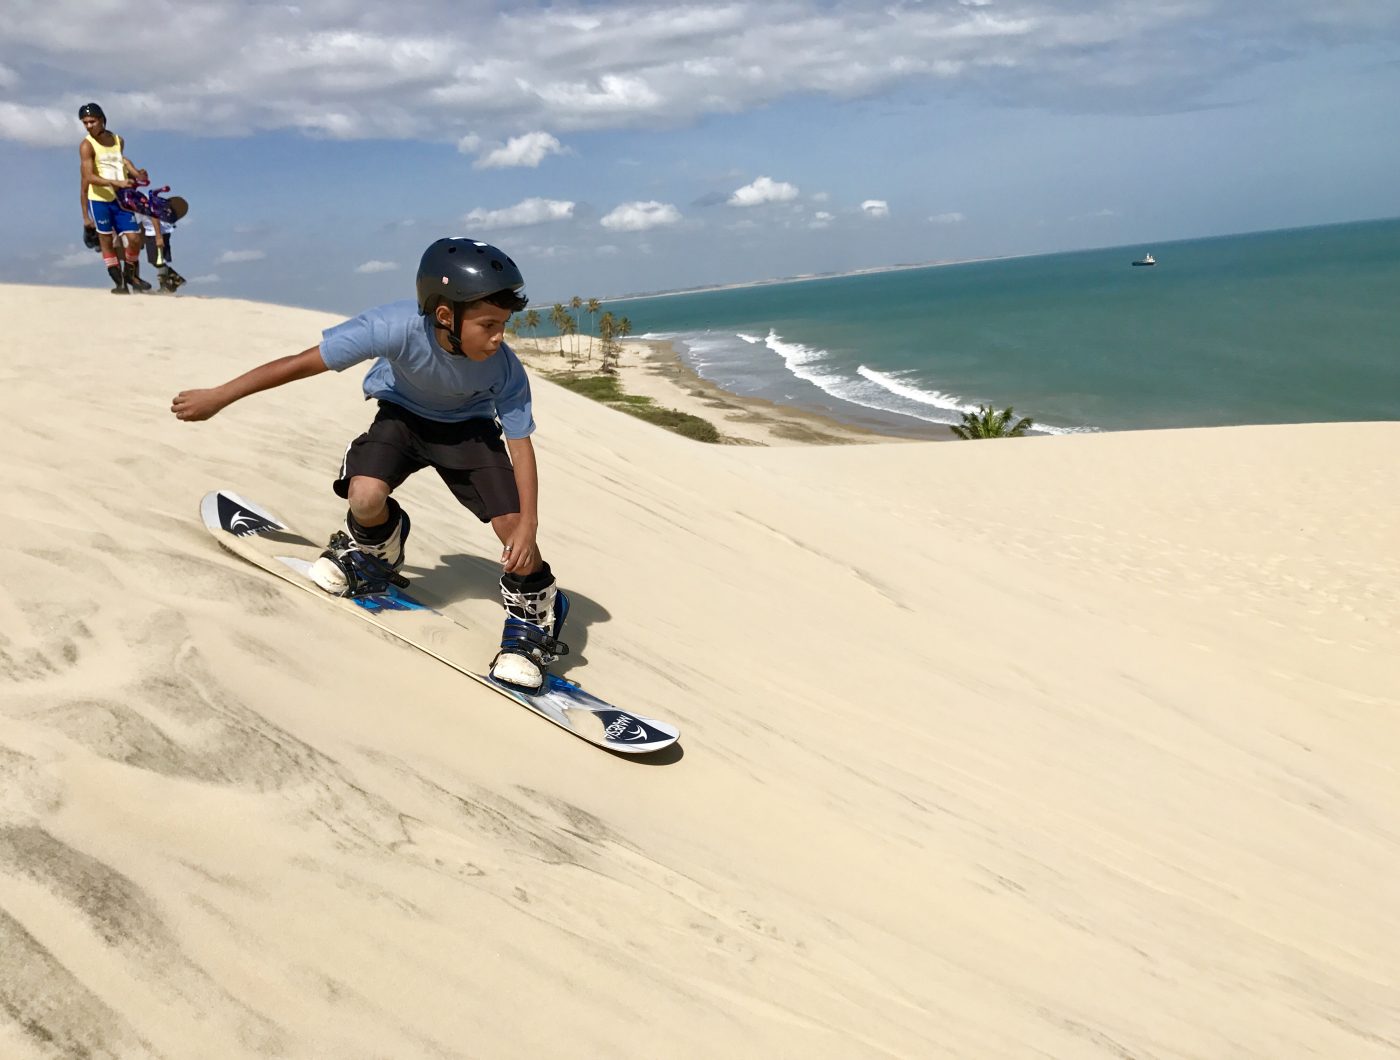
x,y
876,207
469,144
526,212
613,65
639,216
377,266
820,219
39,126
233,257
207,278
528,150
608,94
952,218
763,190
79,259
332,124
552,252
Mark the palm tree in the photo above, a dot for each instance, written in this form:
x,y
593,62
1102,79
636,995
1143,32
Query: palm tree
x,y
608,328
571,328
558,315
593,306
986,422
576,303
532,321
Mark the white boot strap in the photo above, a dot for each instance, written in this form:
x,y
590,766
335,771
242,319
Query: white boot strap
x,y
536,608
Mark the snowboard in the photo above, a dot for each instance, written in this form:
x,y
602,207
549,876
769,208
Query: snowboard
x,y
254,534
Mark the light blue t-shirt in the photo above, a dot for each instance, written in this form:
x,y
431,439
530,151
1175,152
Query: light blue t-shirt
x,y
413,371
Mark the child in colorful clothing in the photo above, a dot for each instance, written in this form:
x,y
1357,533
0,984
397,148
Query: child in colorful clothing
x,y
449,389
158,251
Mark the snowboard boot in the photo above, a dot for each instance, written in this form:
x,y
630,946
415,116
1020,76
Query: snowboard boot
x,y
535,614
131,272
170,280
118,279
342,574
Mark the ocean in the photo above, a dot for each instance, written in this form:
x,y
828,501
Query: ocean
x,y
1300,325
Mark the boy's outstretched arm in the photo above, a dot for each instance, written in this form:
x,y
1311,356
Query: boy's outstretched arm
x,y
201,404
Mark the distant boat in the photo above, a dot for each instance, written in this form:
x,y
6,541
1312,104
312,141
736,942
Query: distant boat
x,y
1147,259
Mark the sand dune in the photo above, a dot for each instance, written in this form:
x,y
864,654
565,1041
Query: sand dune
x,y
1068,747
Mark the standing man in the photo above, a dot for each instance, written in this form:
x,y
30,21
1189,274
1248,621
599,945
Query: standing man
x,y
105,169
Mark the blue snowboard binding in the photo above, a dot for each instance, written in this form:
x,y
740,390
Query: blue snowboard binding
x,y
529,647
365,574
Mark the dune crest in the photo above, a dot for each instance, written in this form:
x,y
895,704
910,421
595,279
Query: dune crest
x,y
1077,747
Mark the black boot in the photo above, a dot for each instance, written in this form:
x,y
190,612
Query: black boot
x,y
132,272
118,279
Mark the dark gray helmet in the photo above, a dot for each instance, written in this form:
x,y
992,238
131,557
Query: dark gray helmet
x,y
91,110
464,270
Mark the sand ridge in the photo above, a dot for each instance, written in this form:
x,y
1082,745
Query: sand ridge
x,y
1078,746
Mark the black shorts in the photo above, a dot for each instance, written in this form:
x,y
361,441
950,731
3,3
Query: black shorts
x,y
469,456
151,248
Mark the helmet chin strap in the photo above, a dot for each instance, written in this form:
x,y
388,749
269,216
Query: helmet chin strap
x,y
452,333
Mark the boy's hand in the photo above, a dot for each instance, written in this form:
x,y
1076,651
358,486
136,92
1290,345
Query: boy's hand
x,y
197,404
521,552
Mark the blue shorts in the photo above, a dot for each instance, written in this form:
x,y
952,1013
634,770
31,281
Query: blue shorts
x,y
109,217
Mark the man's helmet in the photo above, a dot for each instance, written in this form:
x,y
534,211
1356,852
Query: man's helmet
x,y
91,110
464,270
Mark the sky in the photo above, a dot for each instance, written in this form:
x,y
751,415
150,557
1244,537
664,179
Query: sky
x,y
613,147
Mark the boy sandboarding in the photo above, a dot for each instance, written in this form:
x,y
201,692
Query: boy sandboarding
x,y
454,397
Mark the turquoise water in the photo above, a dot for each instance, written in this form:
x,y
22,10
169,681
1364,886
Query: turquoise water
x,y
1290,326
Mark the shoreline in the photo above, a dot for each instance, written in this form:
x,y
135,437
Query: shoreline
x,y
654,369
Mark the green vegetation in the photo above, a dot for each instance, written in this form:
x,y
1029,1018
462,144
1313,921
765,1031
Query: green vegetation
x,y
606,389
986,422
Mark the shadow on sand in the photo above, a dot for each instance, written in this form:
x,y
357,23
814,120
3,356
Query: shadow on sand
x,y
464,577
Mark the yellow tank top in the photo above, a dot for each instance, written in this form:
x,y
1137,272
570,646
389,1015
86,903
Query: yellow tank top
x,y
107,161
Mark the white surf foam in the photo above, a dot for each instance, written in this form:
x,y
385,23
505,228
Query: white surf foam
x,y
889,392
893,382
